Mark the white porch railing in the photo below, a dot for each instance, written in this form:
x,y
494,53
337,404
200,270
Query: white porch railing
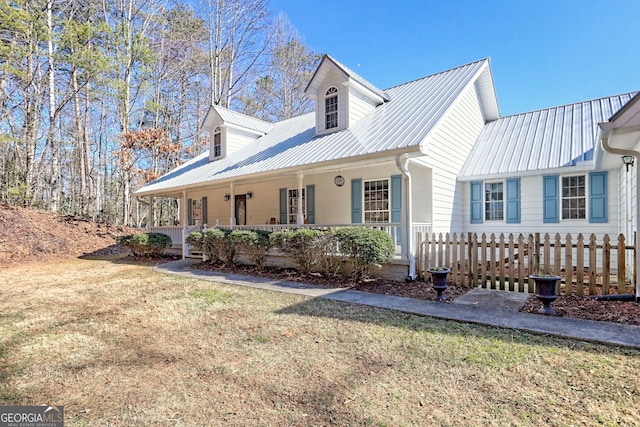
x,y
178,234
175,232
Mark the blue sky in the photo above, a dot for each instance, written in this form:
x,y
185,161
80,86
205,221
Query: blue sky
x,y
543,53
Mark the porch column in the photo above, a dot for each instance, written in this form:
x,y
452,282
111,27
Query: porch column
x,y
182,214
300,219
150,214
232,200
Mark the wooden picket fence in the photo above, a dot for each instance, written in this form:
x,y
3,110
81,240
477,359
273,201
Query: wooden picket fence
x,y
586,266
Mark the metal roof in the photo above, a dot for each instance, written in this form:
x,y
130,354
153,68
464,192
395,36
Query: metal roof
x,y
358,78
239,119
544,139
400,124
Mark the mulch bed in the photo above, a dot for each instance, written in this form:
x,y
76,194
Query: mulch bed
x,y
416,289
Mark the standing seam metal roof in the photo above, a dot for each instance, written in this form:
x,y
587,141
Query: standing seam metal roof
x,y
543,139
414,110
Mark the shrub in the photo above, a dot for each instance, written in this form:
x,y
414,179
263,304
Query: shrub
x,y
330,260
217,245
301,246
195,239
255,244
366,247
145,243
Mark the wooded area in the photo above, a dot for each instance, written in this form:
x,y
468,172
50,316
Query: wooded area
x,y
97,98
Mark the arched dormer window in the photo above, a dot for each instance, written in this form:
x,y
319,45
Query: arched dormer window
x,y
331,108
217,142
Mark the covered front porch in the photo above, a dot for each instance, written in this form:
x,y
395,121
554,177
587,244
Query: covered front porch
x,y
392,196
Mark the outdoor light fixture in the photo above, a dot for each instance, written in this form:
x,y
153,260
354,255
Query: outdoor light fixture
x,y
249,194
628,161
227,197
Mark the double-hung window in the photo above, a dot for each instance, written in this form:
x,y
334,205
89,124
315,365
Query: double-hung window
x,y
493,201
574,200
331,108
217,142
376,201
292,205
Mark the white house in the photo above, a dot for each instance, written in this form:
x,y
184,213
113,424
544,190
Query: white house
x,y
430,155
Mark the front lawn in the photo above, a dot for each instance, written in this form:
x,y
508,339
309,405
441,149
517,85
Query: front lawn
x,y
118,344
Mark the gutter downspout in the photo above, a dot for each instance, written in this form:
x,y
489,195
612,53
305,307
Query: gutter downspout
x,y
623,152
408,219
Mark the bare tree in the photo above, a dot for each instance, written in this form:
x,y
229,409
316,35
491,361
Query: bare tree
x,y
279,93
238,38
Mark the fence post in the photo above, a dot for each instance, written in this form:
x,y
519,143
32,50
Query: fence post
x,y
593,252
492,261
606,259
522,252
419,271
512,254
531,245
502,261
454,260
483,261
568,266
473,259
464,265
580,266
547,254
622,264
557,262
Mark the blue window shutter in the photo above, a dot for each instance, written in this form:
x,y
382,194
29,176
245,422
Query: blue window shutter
x,y
476,202
551,199
311,204
356,201
396,198
205,211
598,197
513,201
283,206
190,220
396,203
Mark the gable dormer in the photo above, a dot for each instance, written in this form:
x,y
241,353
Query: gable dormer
x,y
229,131
341,96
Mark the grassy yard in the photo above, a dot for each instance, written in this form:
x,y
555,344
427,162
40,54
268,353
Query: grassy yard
x,y
120,345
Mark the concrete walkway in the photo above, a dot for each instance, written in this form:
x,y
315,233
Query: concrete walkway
x,y
482,306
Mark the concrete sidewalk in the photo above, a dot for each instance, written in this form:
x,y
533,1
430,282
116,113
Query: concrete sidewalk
x,y
482,306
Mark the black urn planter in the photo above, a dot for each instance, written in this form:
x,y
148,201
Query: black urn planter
x,y
439,280
546,291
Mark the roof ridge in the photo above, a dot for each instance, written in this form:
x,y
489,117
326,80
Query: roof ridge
x,y
438,73
571,103
215,106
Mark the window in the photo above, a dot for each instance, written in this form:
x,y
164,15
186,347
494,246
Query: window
x,y
331,108
292,205
574,201
493,201
196,212
217,142
376,201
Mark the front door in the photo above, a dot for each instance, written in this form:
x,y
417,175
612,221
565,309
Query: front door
x,y
241,209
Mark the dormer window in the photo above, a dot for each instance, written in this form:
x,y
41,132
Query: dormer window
x,y
331,108
217,142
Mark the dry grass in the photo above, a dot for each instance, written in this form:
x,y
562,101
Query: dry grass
x,y
117,344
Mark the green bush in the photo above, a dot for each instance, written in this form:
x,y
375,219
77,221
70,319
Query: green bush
x,y
217,245
254,244
301,246
195,240
145,243
366,247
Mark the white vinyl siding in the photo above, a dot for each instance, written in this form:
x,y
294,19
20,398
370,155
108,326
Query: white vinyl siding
x,y
447,150
359,106
531,208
